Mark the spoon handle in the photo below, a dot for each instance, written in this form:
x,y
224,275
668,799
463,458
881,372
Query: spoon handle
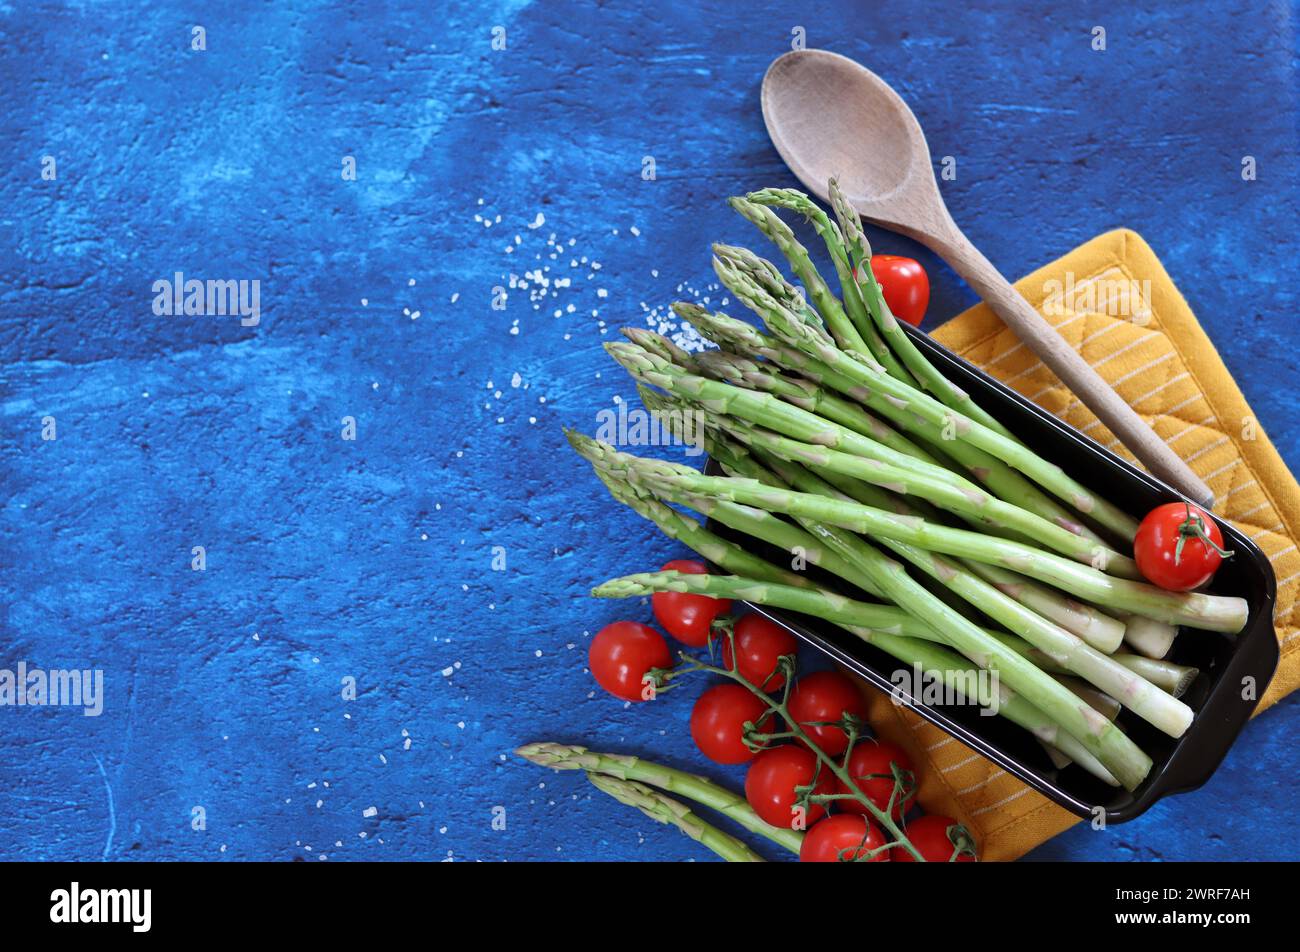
x,y
1073,371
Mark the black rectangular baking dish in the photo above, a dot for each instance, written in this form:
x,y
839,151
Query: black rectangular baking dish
x,y
1231,666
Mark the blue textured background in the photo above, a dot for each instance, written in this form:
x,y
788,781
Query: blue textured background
x,y
371,559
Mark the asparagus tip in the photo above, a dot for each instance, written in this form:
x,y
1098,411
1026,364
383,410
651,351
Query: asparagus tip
x,y
686,308
558,756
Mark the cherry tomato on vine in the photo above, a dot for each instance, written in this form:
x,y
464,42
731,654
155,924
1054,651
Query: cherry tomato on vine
x,y
622,653
841,838
930,835
688,617
770,783
760,644
905,285
869,766
826,696
718,722
1179,547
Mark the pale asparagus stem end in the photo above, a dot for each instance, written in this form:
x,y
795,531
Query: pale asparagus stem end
x,y
1149,637
1171,677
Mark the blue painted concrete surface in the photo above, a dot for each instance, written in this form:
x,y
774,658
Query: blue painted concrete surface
x,y
372,559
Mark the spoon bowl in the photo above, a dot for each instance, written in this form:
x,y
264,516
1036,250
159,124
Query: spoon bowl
x,y
870,140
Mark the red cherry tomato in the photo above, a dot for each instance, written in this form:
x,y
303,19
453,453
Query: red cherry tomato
x,y
842,838
718,722
1172,550
869,766
905,285
933,837
760,644
622,653
688,617
826,696
770,783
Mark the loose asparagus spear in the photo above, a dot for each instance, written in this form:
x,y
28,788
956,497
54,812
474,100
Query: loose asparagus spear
x,y
881,465
1051,477
625,767
934,661
1196,610
1116,752
664,809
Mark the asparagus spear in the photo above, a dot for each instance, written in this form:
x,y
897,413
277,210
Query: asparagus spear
x,y
647,339
1172,678
934,661
841,328
925,373
736,460
768,528
664,809
1116,752
1103,704
693,535
1196,610
880,464
873,378
1001,479
769,276
1107,706
796,201
897,479
625,767
754,522
1095,627
1006,482
1099,630
1068,650
732,368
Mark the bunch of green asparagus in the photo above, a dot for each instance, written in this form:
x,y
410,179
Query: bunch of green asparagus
x,y
846,447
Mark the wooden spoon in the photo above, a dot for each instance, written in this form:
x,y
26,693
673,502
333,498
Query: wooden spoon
x,y
830,117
